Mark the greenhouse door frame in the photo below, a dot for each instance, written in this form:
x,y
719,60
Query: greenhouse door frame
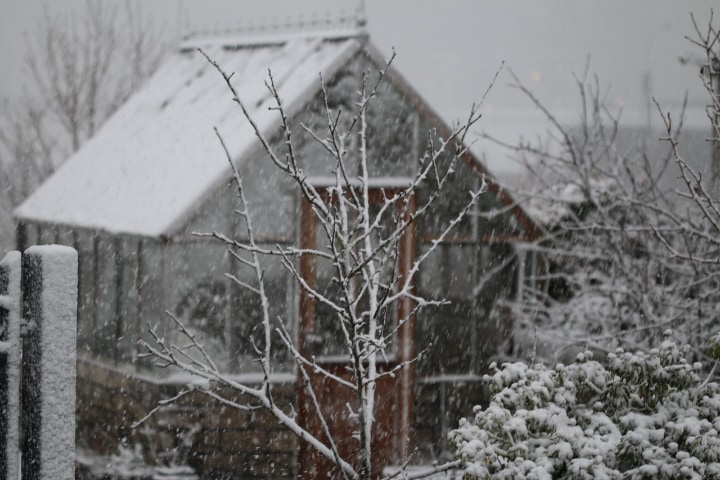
x,y
392,442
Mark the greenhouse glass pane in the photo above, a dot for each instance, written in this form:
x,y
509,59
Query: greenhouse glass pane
x,y
446,334
246,316
87,286
272,202
216,214
106,345
152,292
130,324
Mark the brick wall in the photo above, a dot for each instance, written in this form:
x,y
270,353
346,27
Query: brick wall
x,y
222,442
216,440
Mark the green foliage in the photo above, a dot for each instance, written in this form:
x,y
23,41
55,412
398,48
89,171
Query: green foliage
x,y
636,415
714,346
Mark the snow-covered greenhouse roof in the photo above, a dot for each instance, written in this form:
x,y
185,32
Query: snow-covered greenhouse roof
x,y
157,159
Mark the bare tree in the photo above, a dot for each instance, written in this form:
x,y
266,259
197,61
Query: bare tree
x,y
360,239
84,68
629,252
80,70
708,41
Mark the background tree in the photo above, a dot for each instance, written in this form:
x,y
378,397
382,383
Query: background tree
x,y
628,257
632,234
80,69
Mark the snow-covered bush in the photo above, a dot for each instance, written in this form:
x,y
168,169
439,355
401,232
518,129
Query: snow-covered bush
x,y
635,415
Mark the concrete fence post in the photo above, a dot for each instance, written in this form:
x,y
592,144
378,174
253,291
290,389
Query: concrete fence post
x,y
10,304
49,281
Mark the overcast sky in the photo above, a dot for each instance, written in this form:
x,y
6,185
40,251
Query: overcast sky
x,y
449,50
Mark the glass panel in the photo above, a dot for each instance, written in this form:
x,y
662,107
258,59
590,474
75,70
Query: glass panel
x,y
226,317
498,279
216,214
46,235
198,295
446,334
454,196
272,198
461,336
86,290
498,273
128,313
246,318
106,332
315,159
32,234
448,272
152,291
391,134
152,286
391,126
489,218
495,220
342,97
65,236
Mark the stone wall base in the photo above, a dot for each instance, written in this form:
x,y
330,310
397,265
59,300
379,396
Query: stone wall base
x,y
219,441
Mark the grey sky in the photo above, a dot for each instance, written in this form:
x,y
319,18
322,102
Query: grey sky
x,y
450,50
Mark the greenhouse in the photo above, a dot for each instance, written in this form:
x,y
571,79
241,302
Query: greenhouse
x,y
137,199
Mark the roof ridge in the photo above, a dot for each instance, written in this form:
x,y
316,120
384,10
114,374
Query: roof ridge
x,y
329,27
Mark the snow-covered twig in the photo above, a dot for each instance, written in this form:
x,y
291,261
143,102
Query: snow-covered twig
x,y
360,236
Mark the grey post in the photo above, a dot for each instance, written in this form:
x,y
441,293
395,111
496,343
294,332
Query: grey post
x,y
10,300
48,366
